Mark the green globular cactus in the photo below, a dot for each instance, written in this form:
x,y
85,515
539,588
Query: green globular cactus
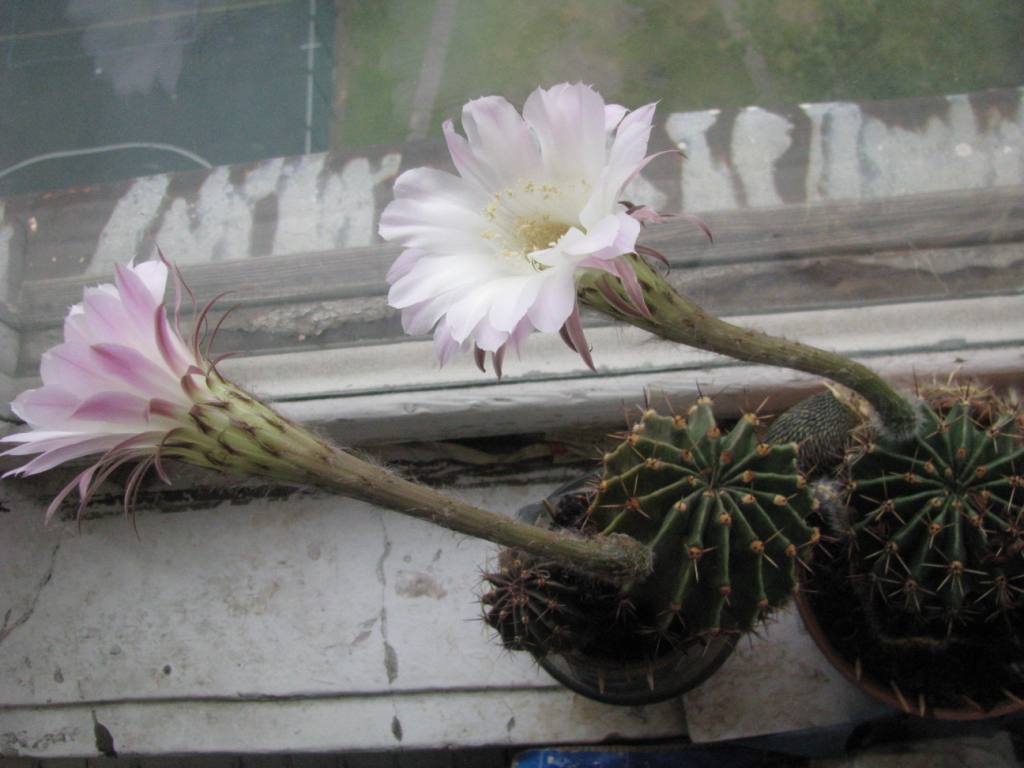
x,y
937,524
723,513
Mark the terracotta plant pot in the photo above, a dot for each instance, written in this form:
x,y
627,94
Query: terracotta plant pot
x,y
624,681
890,693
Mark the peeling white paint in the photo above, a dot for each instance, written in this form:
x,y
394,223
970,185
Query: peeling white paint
x,y
122,237
216,227
317,209
759,139
264,179
852,154
707,183
341,214
832,169
908,161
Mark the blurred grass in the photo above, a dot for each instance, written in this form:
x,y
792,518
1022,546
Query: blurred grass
x,y
383,48
819,50
680,52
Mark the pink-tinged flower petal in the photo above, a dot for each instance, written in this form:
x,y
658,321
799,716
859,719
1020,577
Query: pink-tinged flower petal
x,y
466,313
114,408
435,211
436,275
624,160
134,368
500,143
134,294
598,238
172,349
555,300
76,328
166,409
573,330
52,458
518,337
613,114
153,275
48,406
632,286
569,121
488,338
498,359
422,317
631,137
432,225
445,347
107,318
514,301
406,260
38,441
35,435
625,238
83,478
612,236
465,161
646,215
74,363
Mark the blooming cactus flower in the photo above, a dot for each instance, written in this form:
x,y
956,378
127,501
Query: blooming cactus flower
x,y
124,384
491,254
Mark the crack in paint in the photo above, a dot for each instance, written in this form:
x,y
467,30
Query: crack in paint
x,y
390,655
8,626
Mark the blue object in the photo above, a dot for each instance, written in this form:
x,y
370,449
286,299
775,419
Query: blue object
x,y
676,756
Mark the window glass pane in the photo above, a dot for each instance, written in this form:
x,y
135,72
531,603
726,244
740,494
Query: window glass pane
x,y
97,90
845,153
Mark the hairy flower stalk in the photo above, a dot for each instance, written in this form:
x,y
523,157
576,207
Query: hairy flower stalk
x,y
676,318
125,385
237,433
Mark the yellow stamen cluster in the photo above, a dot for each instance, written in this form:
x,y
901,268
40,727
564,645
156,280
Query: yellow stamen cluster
x,y
524,221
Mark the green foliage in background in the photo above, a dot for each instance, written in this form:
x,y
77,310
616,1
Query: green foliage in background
x,y
681,53
821,50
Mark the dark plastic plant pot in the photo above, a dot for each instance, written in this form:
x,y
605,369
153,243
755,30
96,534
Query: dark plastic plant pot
x,y
634,683
627,682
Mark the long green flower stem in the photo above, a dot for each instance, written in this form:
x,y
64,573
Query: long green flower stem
x,y
676,318
237,433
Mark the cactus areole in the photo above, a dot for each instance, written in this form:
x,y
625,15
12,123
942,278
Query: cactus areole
x,y
724,516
